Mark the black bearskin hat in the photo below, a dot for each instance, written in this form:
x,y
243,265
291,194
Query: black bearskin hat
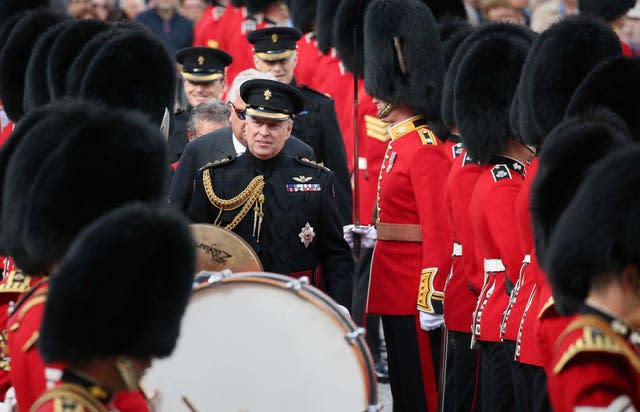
x,y
303,14
259,6
612,84
454,63
72,166
36,88
325,12
404,65
350,14
598,234
65,49
609,10
131,271
132,71
565,158
7,27
9,8
486,83
15,57
566,53
446,8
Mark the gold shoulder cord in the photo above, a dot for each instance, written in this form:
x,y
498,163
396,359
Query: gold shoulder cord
x,y
252,195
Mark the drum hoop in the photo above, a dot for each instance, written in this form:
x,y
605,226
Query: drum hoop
x,y
326,305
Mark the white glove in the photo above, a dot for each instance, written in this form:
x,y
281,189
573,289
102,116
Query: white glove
x,y
368,235
430,321
344,311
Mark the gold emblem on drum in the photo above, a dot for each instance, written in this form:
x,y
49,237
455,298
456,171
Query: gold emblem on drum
x,y
306,235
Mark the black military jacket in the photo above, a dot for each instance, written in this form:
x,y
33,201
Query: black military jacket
x,y
318,127
300,228
178,140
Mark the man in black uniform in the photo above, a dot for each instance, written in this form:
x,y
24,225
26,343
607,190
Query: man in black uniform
x,y
283,206
202,78
275,52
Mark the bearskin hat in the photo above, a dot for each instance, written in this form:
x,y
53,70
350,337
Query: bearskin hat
x,y
119,75
561,169
325,12
609,10
486,83
36,88
454,64
237,3
151,252
7,27
65,49
72,166
9,8
15,57
597,236
403,65
303,14
612,84
566,53
446,8
350,15
259,6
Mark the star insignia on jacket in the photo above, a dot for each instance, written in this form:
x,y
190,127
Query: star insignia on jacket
x,y
306,235
274,38
302,179
200,60
267,94
517,166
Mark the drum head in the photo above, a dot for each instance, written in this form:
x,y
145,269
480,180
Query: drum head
x,y
219,249
253,344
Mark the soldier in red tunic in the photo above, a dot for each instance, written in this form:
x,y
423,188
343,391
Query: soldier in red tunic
x,y
49,206
413,233
593,266
488,138
107,347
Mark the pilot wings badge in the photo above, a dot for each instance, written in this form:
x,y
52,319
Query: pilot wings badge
x,y
302,179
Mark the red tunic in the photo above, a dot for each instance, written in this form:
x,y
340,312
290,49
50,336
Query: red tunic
x,y
497,244
464,284
68,397
375,137
548,326
308,59
411,192
205,33
237,44
6,132
594,367
521,296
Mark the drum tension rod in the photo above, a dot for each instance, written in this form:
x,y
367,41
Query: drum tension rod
x,y
353,336
297,284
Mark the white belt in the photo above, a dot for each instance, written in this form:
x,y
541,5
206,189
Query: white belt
x,y
493,265
527,259
457,249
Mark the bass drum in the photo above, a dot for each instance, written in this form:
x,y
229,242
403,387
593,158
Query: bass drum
x,y
261,342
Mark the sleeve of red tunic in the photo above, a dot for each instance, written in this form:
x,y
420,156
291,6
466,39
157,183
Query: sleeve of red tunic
x,y
429,171
501,218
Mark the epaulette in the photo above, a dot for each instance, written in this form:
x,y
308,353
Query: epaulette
x,y
15,282
69,398
427,136
308,162
500,172
37,296
597,336
219,162
248,25
376,128
548,305
468,160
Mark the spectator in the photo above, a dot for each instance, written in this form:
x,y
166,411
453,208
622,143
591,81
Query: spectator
x,y
80,9
474,15
101,8
502,11
192,9
551,12
172,28
132,8
207,117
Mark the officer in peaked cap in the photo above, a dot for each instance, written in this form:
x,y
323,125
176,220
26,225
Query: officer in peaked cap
x,y
285,207
203,78
274,51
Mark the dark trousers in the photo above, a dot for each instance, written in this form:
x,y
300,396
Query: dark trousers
x,y
496,384
541,401
522,377
463,374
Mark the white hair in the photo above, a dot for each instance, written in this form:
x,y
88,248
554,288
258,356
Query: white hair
x,y
244,76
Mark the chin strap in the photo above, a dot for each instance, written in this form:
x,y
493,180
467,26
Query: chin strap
x,y
385,110
127,373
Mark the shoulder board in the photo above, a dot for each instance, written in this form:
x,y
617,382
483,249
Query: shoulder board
x,y
69,398
500,172
307,162
219,162
594,336
15,282
36,296
468,160
248,26
315,93
427,136
376,128
456,150
546,308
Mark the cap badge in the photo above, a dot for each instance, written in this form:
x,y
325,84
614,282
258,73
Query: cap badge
x,y
306,235
274,38
200,60
267,94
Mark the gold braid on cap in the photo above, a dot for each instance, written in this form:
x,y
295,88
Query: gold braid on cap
x,y
252,195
